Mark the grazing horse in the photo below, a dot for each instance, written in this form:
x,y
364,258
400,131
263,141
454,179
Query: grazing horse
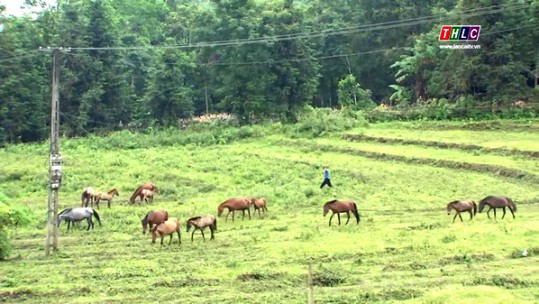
x,y
338,207
259,204
168,227
459,206
201,222
147,194
138,191
235,204
72,215
106,197
87,196
497,202
154,217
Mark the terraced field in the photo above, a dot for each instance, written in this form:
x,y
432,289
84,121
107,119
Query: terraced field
x,y
405,248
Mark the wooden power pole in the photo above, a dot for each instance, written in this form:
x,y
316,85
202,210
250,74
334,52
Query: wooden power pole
x,y
55,161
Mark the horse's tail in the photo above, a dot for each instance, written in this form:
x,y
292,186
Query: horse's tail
x,y
96,216
474,208
355,212
513,205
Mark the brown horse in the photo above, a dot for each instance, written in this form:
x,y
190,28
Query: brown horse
x,y
138,191
87,196
106,197
201,222
259,204
233,205
497,202
154,217
459,206
167,228
147,194
338,207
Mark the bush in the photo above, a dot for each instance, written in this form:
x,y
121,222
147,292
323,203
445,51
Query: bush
x,y
10,216
318,122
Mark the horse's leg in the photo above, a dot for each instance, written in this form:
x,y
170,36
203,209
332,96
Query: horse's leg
x,y
347,214
108,203
456,213
511,209
202,231
503,212
170,241
179,235
249,212
162,237
471,214
331,217
460,216
88,221
494,213
243,214
339,217
192,234
211,230
488,212
233,213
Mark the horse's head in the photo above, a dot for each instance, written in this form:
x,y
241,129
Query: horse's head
x,y
450,206
326,209
188,226
220,210
144,223
481,205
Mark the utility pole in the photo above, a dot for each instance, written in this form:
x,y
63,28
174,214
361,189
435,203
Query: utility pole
x,y
55,160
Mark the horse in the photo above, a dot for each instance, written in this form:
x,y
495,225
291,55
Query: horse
x,y
154,217
258,204
233,205
87,196
167,227
138,191
147,194
72,215
106,197
459,206
201,222
338,207
497,202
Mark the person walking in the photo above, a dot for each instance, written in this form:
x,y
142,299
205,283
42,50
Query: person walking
x,y
326,181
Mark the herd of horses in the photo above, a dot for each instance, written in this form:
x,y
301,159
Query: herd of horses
x,y
158,222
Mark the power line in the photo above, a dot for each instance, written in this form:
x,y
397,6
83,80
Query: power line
x,y
363,28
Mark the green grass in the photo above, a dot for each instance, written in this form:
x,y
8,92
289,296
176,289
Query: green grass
x,y
405,249
520,139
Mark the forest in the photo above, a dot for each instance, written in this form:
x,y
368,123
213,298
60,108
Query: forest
x,y
139,64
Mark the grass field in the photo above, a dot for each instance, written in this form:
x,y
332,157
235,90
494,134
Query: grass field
x,y
405,248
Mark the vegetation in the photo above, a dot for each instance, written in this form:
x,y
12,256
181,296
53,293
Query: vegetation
x,y
405,248
134,64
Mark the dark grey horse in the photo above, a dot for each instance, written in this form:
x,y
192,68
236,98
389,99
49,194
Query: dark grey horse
x,y
72,215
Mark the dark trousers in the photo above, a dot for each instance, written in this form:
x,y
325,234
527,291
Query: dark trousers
x,y
326,182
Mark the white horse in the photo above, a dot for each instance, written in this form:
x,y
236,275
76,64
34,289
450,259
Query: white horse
x,y
78,214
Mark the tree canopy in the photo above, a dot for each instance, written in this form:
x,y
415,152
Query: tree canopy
x,y
151,63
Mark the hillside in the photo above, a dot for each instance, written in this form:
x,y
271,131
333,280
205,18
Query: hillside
x,y
405,248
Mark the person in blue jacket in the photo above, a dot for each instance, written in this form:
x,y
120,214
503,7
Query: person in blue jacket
x,y
326,181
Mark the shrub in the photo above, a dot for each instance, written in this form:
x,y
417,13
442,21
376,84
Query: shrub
x,y
10,216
